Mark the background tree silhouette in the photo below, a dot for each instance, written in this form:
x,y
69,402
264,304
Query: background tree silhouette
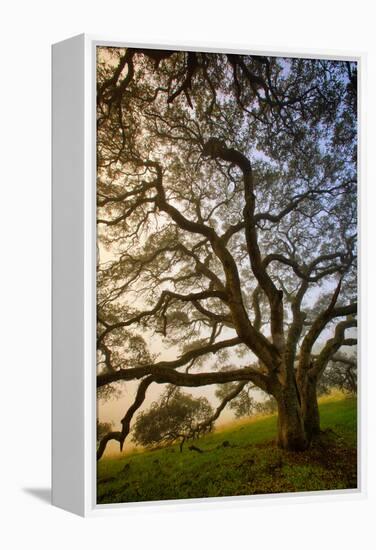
x,y
175,416
226,194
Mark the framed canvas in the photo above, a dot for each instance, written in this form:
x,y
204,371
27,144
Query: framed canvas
x,y
205,275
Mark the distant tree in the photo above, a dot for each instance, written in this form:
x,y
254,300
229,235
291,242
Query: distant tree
x,y
244,401
175,416
340,374
267,406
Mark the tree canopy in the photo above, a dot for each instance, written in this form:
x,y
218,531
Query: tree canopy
x,y
227,224
176,415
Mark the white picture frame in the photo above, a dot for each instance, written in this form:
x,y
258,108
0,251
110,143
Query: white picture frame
x,y
74,283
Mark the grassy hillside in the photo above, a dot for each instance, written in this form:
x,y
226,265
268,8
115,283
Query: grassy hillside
x,y
241,459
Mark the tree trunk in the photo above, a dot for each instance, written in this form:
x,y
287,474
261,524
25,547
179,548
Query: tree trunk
x,y
291,432
310,409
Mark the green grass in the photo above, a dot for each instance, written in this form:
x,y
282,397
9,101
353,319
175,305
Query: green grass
x,y
248,463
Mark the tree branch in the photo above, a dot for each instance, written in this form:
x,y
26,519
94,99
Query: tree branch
x,y
166,296
144,370
332,346
214,148
320,323
126,421
207,424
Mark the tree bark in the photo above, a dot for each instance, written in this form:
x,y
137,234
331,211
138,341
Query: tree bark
x,y
291,430
310,409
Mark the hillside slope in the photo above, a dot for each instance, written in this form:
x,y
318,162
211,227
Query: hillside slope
x,y
239,460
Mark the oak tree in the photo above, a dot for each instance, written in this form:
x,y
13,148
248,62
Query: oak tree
x,y
175,416
227,230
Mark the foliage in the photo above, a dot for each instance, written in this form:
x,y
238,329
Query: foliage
x,y
246,403
175,415
340,374
102,429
